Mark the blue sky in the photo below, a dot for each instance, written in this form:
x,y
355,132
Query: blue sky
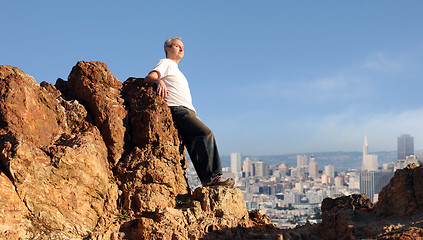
x,y
268,77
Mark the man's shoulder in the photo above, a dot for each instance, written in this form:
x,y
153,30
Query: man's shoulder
x,y
165,61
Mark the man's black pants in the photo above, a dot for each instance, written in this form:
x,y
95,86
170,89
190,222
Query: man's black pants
x,y
199,141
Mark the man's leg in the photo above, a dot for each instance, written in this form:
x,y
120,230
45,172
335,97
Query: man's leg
x,y
200,143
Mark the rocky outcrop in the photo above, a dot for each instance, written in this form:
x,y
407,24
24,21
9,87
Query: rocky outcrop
x,y
92,158
55,163
152,174
405,188
397,215
193,218
92,84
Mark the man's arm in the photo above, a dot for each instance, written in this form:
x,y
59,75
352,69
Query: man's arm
x,y
154,77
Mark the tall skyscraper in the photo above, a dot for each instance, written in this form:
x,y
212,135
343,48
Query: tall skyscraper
x,y
372,182
405,146
261,169
301,161
369,162
313,168
365,147
330,171
248,167
236,162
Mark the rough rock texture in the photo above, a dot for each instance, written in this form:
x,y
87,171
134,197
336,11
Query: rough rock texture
x,y
13,218
55,160
24,101
406,188
193,218
397,215
152,174
93,84
92,158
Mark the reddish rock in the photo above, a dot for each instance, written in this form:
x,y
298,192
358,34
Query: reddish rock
x,y
403,196
150,120
57,170
210,214
26,109
403,233
223,202
55,160
153,172
94,85
397,215
259,217
14,217
338,216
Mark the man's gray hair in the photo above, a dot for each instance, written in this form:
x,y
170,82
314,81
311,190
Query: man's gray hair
x,y
169,41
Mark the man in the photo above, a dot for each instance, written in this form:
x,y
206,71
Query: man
x,y
197,137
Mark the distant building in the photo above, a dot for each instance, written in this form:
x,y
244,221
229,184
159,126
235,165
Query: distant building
x,y
330,170
313,168
283,167
236,163
261,169
354,180
402,163
372,182
325,179
316,197
291,198
388,166
405,146
299,187
369,162
248,167
301,161
339,181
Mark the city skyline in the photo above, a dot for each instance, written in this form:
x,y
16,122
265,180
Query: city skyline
x,y
367,161
268,78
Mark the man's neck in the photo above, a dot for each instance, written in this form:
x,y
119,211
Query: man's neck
x,y
175,60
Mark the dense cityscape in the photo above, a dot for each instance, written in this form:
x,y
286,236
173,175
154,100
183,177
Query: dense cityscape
x,y
292,195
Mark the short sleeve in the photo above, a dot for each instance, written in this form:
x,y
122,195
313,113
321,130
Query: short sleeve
x,y
162,66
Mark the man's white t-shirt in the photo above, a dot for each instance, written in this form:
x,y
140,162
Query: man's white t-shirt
x,y
176,83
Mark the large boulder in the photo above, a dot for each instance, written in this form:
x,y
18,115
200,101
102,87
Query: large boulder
x,y
26,109
212,213
397,215
152,174
94,85
403,196
92,158
55,160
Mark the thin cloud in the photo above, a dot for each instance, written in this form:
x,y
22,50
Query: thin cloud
x,y
321,89
381,62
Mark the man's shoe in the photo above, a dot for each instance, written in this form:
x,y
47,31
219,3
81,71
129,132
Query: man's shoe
x,y
219,181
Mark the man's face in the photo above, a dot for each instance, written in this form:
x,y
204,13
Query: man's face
x,y
176,51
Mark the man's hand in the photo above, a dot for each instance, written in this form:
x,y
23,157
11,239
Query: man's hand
x,y
161,88
154,77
